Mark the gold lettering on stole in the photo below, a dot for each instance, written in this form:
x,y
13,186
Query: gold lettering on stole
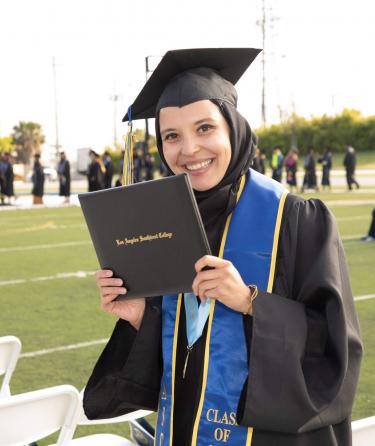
x,y
208,415
221,434
226,418
161,439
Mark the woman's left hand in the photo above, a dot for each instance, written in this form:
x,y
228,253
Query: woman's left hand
x,y
223,283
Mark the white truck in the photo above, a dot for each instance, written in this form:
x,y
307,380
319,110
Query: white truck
x,y
83,160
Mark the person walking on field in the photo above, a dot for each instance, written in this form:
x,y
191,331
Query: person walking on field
x,y
277,164
108,164
326,161
63,171
309,180
95,173
370,237
291,161
37,180
350,161
258,161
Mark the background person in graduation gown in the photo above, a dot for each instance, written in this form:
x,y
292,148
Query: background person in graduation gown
x,y
302,339
350,162
6,178
37,180
95,172
108,164
63,170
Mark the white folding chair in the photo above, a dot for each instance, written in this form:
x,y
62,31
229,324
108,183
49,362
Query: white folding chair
x,y
364,432
31,416
10,348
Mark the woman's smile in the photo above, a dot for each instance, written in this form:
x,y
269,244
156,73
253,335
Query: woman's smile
x,y
198,167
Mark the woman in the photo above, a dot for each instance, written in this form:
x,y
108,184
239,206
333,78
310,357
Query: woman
x,y
277,360
291,165
326,161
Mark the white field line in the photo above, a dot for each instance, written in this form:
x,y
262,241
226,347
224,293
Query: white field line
x,y
103,341
52,245
334,203
364,297
354,237
63,348
78,274
42,227
357,217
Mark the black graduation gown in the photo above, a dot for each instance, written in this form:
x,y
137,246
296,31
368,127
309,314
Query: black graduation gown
x,y
95,177
63,170
38,180
9,180
108,174
303,343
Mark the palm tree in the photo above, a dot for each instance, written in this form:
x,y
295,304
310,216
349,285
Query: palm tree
x,y
27,138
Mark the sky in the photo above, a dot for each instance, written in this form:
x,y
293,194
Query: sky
x,y
319,58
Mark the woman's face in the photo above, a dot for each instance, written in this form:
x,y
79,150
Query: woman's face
x,y
196,141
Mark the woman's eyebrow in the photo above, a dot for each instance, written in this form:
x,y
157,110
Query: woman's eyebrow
x,y
204,120
162,132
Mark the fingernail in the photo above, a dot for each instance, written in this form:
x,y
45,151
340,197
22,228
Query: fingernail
x,y
108,273
124,291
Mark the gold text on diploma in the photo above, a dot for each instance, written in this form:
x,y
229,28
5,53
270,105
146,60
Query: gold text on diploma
x,y
143,238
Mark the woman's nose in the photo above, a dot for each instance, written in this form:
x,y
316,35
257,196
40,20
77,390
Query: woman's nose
x,y
189,146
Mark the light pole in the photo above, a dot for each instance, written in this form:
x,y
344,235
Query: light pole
x,y
57,145
115,97
148,71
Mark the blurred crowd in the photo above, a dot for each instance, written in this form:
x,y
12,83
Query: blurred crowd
x,y
101,172
288,164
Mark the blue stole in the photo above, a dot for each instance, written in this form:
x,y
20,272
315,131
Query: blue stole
x,y
250,242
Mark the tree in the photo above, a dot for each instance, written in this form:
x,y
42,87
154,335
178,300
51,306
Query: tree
x,y
27,138
349,127
6,144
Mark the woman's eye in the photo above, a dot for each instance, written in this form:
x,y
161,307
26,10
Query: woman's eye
x,y
170,136
205,128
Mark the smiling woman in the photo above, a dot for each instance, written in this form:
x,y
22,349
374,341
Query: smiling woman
x,y
266,350
196,140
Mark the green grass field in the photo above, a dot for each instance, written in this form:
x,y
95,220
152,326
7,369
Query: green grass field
x,y
47,309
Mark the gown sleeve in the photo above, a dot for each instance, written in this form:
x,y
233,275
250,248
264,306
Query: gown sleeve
x,y
127,374
304,341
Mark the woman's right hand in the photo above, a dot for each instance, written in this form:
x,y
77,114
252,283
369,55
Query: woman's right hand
x,y
131,310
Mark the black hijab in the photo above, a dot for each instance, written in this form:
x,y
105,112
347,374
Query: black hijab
x,y
217,203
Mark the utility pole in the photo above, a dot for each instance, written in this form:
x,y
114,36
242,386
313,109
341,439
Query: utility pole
x,y
115,97
263,26
57,145
147,135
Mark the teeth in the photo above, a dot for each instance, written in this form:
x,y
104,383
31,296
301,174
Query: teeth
x,y
198,165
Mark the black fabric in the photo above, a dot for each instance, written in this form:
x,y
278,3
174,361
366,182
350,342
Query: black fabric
x,y
371,231
304,340
38,180
95,176
226,66
9,179
63,169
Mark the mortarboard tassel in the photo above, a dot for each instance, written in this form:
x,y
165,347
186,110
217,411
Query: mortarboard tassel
x,y
128,170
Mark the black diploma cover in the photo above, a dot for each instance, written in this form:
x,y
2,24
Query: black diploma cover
x,y
149,234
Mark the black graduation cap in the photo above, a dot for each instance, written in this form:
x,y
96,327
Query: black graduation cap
x,y
221,67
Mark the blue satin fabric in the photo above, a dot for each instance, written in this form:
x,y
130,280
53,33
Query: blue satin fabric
x,y
249,247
